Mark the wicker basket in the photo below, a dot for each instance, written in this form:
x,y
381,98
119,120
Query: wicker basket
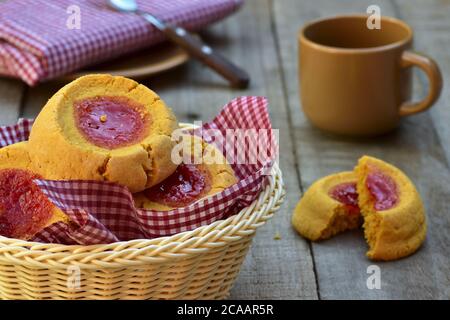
x,y
199,264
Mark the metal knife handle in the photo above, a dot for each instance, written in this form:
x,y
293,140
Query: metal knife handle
x,y
196,48
234,74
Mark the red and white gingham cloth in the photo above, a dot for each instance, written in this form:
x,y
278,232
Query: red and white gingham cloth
x,y
37,45
104,212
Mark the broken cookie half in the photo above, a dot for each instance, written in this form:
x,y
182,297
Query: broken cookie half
x,y
393,211
328,207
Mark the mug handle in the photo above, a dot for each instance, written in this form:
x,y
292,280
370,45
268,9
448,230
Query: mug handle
x,y
427,64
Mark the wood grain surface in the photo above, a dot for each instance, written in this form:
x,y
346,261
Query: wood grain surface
x,y
262,37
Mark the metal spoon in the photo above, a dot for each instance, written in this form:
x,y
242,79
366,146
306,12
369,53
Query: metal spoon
x,y
234,74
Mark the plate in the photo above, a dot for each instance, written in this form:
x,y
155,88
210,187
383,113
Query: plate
x,y
144,63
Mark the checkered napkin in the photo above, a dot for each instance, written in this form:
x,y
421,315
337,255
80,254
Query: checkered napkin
x,y
103,212
39,39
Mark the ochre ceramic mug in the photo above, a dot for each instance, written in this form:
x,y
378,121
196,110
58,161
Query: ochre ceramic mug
x,y
357,81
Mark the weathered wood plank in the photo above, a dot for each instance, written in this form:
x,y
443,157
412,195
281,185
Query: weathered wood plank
x,y
273,269
431,26
11,92
432,36
415,147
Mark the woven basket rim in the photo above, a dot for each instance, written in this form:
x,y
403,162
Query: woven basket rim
x,y
139,251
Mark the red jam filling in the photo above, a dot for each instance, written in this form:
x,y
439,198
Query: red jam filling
x,y
24,209
346,194
188,184
383,189
110,122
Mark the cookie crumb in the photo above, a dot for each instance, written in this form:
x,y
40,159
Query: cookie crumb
x,y
103,118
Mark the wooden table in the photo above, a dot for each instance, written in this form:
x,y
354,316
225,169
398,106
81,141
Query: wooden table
x,y
263,38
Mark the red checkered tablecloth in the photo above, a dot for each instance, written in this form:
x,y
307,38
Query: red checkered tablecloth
x,y
36,43
103,212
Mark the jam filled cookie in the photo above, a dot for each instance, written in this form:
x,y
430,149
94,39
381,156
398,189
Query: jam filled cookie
x,y
101,127
24,209
190,182
328,207
394,215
